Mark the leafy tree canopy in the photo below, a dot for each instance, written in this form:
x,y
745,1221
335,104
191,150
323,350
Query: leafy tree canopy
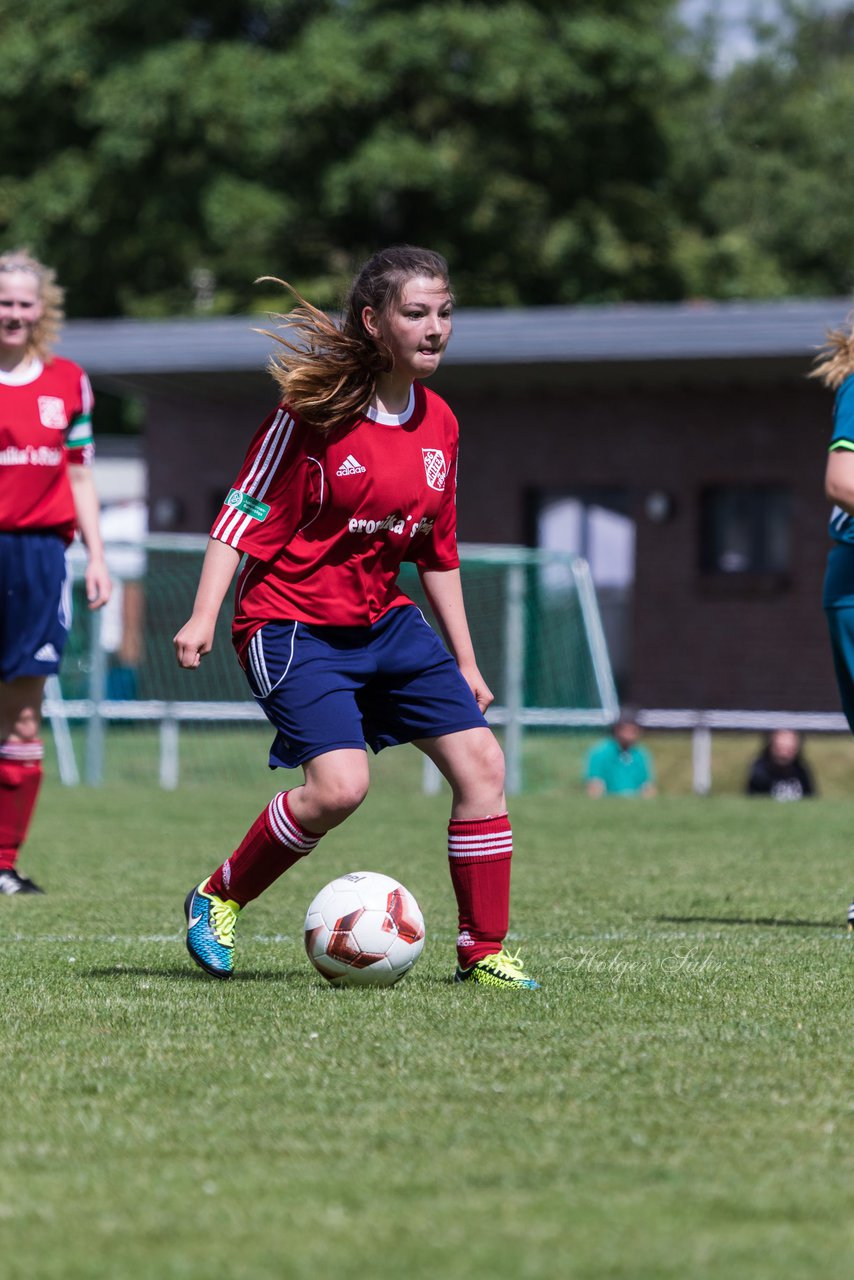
x,y
162,156
149,148
764,178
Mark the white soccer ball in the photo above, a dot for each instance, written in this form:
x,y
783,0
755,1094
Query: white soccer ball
x,y
364,929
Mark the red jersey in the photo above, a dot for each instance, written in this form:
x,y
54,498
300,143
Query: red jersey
x,y
45,423
326,521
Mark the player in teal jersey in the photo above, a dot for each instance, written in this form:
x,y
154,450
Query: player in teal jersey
x,y
835,368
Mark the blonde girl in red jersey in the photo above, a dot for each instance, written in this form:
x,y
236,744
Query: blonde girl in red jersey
x,y
353,474
46,493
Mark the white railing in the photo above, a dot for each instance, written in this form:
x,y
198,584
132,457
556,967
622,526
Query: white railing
x,y
98,714
701,725
514,720
97,711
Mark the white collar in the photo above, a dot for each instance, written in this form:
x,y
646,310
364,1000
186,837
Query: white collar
x,y
393,419
24,373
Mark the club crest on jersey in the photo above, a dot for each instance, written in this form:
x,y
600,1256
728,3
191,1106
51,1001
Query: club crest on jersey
x,y
250,506
52,412
436,468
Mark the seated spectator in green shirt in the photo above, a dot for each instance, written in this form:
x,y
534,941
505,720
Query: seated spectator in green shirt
x,y
619,765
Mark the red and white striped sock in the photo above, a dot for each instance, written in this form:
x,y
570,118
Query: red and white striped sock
x,y
20,778
274,842
479,853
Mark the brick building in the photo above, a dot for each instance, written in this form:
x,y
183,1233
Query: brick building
x,y
679,447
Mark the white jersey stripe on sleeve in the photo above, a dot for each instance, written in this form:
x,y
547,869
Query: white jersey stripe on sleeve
x,y
225,528
237,529
272,430
273,445
215,531
233,524
86,397
241,529
271,470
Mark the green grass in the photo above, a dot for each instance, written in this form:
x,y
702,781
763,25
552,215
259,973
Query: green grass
x,y
675,1102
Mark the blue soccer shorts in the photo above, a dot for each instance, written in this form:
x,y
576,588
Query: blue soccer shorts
x,y
328,688
35,614
838,601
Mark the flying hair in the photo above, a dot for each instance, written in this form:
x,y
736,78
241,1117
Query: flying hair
x,y
835,360
51,296
326,368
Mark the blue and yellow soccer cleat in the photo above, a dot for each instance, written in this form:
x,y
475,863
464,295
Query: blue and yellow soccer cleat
x,y
210,931
500,970
851,918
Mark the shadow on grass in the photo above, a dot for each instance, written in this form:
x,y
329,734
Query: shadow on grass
x,y
772,921
173,973
185,975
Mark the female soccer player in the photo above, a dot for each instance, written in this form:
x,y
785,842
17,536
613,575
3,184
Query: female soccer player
x,y
835,368
354,473
46,492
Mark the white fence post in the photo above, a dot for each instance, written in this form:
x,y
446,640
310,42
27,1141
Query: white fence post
x,y
169,756
69,774
96,728
514,680
701,759
431,778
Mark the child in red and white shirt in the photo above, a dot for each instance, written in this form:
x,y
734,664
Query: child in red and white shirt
x,y
47,493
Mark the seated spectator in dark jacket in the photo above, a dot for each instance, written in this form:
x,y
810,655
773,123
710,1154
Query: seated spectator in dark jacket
x,y
779,770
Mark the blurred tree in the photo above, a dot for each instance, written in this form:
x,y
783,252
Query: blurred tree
x,y
764,173
163,155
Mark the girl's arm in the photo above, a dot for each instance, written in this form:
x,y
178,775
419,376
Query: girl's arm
x,y
839,479
444,591
195,638
87,508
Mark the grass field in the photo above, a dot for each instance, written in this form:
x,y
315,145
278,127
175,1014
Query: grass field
x,y
675,1102
552,762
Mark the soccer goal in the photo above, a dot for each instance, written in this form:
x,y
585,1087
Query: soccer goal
x,y
122,708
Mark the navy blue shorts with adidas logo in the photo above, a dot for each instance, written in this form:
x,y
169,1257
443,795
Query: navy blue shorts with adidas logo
x,y
36,609
328,688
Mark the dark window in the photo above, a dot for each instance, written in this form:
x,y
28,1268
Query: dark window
x,y
745,529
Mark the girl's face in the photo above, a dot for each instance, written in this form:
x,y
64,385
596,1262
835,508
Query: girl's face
x,y
784,746
416,327
20,308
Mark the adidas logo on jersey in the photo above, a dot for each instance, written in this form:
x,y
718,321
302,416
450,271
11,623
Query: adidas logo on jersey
x,y
46,653
350,467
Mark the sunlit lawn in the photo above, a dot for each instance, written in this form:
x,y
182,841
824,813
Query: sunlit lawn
x,y
675,1102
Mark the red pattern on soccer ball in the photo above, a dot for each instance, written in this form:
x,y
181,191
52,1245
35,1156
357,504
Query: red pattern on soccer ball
x,y
342,946
409,929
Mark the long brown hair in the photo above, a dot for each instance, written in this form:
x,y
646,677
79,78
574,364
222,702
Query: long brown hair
x,y
327,369
835,360
46,330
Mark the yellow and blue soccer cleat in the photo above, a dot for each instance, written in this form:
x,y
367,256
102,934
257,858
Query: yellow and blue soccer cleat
x,y
210,931
500,970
